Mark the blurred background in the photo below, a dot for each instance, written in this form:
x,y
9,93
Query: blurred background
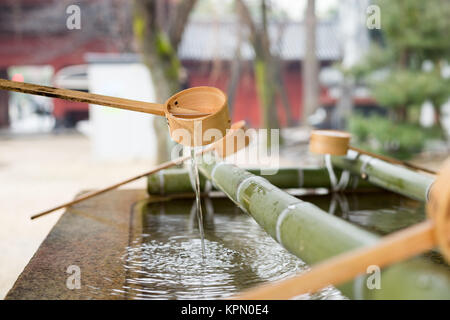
x,y
379,69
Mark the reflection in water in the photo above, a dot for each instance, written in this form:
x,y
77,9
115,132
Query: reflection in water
x,y
165,262
381,212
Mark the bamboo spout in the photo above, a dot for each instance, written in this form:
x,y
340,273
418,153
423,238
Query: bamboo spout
x,y
398,179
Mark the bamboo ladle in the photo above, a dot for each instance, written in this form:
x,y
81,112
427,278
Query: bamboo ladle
x,y
221,147
338,143
190,113
393,248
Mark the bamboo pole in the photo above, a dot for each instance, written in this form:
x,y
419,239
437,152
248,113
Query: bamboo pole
x,y
177,180
314,236
337,143
393,160
386,175
398,246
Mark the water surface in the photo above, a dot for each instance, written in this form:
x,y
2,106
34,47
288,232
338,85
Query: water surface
x,y
164,259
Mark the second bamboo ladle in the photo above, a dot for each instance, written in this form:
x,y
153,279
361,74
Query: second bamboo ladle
x,y
190,113
338,143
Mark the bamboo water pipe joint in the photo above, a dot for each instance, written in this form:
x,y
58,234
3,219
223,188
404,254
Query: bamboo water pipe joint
x,y
191,114
391,249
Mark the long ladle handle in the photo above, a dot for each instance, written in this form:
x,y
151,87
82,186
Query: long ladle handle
x,y
80,96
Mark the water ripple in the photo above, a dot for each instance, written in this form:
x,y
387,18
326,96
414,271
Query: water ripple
x,y
166,261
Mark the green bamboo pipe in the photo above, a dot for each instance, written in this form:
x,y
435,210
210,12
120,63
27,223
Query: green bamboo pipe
x,y
386,175
172,181
314,236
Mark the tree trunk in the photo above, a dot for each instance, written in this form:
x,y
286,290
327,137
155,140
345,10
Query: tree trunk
x,y
235,75
159,52
282,92
266,92
310,65
263,65
438,119
344,106
235,72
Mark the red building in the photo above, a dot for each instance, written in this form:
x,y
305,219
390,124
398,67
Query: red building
x,y
34,32
207,50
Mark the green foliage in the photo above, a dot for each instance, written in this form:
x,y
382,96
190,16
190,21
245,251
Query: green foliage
x,y
397,90
376,58
266,94
167,54
414,33
163,46
138,26
416,29
410,88
383,136
261,79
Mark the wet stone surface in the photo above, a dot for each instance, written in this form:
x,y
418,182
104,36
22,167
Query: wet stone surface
x,y
165,261
91,235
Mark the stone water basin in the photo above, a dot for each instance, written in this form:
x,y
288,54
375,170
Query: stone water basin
x,y
129,246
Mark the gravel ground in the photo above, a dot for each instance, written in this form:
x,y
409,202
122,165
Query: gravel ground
x,y
38,172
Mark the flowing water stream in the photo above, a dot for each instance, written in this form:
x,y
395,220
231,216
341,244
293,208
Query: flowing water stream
x,y
166,261
195,181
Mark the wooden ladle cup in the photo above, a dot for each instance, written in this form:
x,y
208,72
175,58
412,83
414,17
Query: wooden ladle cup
x,y
202,130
